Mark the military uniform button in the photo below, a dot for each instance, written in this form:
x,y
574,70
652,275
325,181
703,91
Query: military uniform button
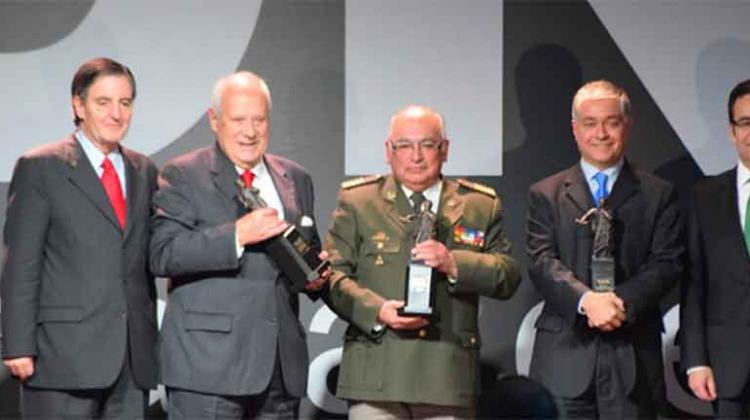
x,y
473,340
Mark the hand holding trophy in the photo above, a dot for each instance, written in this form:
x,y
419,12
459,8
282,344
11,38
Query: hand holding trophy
x,y
293,254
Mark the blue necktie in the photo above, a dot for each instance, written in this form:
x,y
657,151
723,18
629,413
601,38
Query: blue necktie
x,y
601,192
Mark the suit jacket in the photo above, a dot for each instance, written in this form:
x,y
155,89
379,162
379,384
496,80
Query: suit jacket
x,y
227,319
715,315
76,289
648,252
369,244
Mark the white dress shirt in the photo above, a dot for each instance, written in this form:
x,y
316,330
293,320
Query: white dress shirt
x,y
264,183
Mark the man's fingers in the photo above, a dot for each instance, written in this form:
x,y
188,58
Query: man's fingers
x,y
711,388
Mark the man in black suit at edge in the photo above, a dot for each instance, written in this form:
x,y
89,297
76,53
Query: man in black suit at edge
x,y
715,314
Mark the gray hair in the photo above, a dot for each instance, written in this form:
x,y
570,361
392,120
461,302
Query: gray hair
x,y
240,78
601,89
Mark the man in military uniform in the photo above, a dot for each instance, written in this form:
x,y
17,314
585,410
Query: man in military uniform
x,y
397,366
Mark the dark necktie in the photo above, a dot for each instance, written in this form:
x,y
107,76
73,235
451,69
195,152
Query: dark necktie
x,y
747,224
417,199
247,178
601,191
113,188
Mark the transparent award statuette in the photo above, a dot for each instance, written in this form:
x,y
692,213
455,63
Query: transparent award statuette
x,y
420,287
602,254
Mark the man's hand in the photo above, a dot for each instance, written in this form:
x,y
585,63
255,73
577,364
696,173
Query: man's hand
x,y
318,283
604,310
20,367
436,255
701,382
259,225
389,316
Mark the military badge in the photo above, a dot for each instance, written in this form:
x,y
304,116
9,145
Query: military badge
x,y
467,236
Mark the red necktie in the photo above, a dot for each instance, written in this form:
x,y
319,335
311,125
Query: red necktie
x,y
248,178
111,184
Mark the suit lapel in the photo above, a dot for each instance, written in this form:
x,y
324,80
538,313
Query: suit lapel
x,y
137,186
284,187
395,204
577,189
728,215
225,178
626,185
83,176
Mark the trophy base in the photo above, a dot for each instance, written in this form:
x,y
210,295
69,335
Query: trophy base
x,y
419,291
415,311
602,274
296,258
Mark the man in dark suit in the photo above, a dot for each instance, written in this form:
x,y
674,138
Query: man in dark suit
x,y
598,346
232,345
398,366
78,301
715,315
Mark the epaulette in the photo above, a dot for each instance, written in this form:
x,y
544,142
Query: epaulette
x,y
478,187
362,180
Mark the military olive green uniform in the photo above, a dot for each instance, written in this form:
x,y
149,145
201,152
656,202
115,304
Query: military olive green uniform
x,y
369,242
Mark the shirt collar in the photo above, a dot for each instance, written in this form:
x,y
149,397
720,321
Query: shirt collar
x,y
259,170
432,193
743,175
96,157
590,170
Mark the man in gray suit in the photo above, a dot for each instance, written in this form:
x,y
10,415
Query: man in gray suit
x,y
78,301
232,345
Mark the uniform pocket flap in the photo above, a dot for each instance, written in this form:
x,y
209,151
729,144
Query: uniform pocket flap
x,y
549,323
208,321
60,314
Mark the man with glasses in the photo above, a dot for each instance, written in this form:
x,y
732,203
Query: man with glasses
x,y
399,366
598,339
715,315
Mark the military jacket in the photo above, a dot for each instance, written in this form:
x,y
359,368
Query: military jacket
x,y
369,243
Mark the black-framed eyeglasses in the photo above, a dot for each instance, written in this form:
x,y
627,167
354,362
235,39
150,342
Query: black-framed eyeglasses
x,y
742,123
426,145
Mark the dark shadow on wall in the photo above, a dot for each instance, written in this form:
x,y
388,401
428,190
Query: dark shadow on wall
x,y
546,77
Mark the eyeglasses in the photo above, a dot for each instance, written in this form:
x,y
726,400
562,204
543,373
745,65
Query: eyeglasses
x,y
742,123
426,145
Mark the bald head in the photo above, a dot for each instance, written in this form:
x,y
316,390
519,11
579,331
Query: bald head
x,y
240,81
420,113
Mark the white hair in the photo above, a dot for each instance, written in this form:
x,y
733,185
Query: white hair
x,y
601,89
240,78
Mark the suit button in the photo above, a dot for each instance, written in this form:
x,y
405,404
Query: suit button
x,y
422,333
122,315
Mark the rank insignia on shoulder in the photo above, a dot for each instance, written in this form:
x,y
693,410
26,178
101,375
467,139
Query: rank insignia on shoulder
x,y
485,189
362,180
466,236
